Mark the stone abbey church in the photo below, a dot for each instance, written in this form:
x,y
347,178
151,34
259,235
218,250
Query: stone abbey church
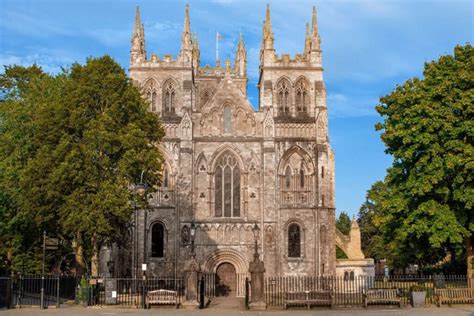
x,y
228,167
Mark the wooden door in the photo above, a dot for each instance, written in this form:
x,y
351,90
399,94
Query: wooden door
x,y
226,280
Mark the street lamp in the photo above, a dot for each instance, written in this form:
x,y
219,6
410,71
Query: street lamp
x,y
192,233
256,231
140,188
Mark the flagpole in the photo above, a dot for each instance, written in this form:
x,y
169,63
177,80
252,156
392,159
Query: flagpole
x,y
217,47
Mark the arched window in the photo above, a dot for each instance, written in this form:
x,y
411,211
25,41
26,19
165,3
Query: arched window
x,y
294,241
288,177
151,94
169,97
283,99
157,240
301,96
227,186
227,119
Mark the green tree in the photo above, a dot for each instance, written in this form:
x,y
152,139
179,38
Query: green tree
x,y
369,217
343,223
81,139
428,128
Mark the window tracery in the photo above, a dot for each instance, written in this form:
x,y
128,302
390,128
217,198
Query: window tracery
x,y
283,97
301,96
227,186
169,97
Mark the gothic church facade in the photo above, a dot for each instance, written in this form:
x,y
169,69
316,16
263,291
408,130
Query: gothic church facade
x,y
228,167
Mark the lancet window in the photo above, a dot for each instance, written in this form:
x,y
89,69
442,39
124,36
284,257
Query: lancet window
x,y
301,96
157,240
169,97
294,241
283,97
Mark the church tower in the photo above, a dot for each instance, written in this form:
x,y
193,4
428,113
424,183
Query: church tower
x,y
229,168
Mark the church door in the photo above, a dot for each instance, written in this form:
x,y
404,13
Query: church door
x,y
226,280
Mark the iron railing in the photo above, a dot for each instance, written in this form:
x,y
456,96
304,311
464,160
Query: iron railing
x,y
349,292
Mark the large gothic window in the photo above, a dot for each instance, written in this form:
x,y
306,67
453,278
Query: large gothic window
x,y
227,186
169,97
157,240
283,97
301,96
294,241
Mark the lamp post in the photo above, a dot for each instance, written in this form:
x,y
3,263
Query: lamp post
x,y
256,233
257,270
192,232
139,190
42,272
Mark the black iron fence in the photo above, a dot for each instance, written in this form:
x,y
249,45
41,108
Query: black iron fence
x,y
131,291
349,291
21,291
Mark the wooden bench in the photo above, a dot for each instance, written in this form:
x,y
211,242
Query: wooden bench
x,y
381,296
454,295
161,297
309,298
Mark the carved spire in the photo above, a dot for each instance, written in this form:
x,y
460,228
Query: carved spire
x,y
240,65
307,40
186,40
267,31
315,39
137,52
137,20
196,52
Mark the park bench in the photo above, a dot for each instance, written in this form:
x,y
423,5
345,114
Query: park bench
x,y
308,298
454,295
381,296
161,297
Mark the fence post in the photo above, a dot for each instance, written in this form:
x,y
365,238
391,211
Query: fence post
x,y
143,292
20,288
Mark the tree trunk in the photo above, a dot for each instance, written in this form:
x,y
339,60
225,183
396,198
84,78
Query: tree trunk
x,y
79,251
470,260
95,257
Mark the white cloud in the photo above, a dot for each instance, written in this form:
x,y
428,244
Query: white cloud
x,y
50,63
340,105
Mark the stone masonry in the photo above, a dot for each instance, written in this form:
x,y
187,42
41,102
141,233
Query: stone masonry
x,y
227,166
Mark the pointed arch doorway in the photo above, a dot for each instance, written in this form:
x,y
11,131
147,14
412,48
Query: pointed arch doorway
x,y
226,280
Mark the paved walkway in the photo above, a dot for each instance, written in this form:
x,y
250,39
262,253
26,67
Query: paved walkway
x,y
457,310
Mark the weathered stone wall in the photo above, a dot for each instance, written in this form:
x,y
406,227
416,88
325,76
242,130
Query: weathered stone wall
x,y
265,144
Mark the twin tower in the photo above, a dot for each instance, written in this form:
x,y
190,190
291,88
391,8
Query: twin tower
x,y
228,167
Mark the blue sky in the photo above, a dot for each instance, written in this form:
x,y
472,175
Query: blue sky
x,y
369,46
